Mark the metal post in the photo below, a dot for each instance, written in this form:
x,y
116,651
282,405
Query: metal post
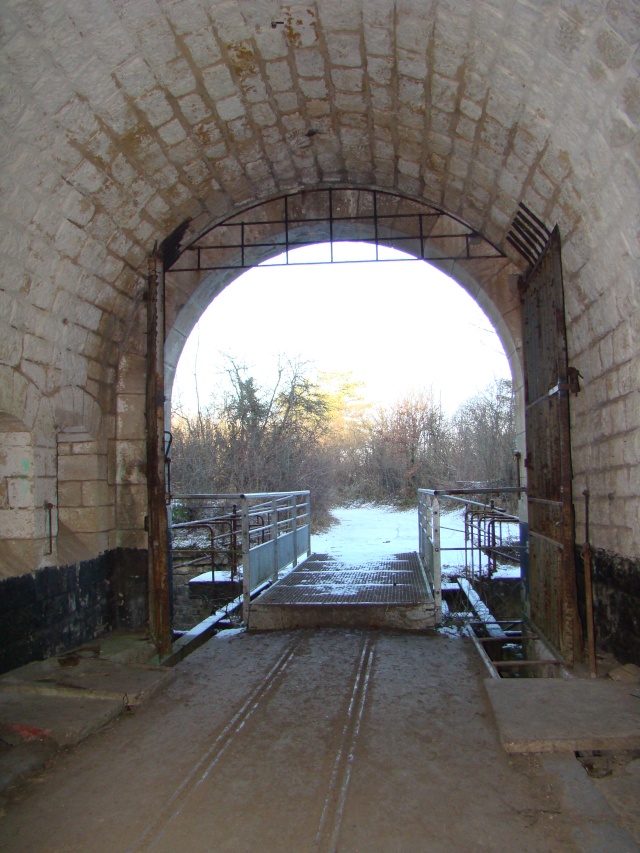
x,y
295,530
587,554
437,563
274,534
308,509
234,541
420,545
158,522
246,568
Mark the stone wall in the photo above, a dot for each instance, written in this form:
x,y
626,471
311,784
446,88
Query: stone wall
x,y
123,119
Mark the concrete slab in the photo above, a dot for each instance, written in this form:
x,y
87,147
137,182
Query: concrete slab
x,y
130,684
564,715
124,646
596,826
65,720
58,702
417,617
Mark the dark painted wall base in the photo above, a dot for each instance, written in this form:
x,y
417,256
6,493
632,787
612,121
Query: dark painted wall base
x,y
45,613
616,603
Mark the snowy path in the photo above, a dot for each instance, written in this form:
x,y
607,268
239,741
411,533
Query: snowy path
x,y
372,531
368,532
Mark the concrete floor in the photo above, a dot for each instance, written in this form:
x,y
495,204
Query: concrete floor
x,y
337,740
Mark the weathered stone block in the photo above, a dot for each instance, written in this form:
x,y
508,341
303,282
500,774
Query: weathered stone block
x,y
130,416
17,523
92,467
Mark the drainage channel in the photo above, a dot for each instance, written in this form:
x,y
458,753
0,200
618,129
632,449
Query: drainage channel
x,y
509,648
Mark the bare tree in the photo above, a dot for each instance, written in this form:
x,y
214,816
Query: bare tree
x,y
258,439
484,436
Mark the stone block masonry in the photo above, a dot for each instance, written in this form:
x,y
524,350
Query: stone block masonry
x,y
126,119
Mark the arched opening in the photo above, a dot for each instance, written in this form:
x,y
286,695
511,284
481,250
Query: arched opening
x,y
380,443
198,266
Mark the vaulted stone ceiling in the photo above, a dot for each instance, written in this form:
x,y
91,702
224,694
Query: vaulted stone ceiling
x,y
122,118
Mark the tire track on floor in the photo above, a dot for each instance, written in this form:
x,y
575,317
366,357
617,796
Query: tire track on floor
x,y
154,832
333,810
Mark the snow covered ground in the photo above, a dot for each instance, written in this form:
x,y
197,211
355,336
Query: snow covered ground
x,y
369,531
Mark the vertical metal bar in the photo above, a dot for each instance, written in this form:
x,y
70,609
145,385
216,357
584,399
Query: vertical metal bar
x,y
246,561
211,530
48,506
588,587
437,562
375,219
286,228
466,536
234,541
274,534
420,542
308,509
158,556
295,530
331,224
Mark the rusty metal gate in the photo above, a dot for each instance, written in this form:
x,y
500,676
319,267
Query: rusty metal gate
x,y
548,384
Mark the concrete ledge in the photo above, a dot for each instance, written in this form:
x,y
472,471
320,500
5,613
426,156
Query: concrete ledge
x,y
412,617
92,679
63,719
565,715
55,703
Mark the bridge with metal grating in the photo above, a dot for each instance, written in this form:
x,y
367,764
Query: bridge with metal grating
x,y
324,592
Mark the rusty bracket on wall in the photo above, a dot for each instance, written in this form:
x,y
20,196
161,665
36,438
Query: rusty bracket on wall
x,y
572,384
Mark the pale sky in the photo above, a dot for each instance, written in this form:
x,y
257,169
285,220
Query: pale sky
x,y
396,326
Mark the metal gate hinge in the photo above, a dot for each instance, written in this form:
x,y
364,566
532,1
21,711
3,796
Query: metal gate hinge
x,y
573,381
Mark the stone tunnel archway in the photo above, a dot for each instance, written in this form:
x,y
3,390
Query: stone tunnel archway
x,y
122,123
489,280
197,269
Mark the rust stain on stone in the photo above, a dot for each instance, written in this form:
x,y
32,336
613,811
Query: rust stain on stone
x,y
132,142
243,59
294,26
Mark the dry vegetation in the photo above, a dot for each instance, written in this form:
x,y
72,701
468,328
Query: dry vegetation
x,y
309,432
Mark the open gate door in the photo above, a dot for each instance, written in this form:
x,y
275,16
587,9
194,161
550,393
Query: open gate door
x,y
157,520
548,382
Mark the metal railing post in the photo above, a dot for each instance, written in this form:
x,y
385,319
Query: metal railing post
x,y
246,567
234,542
437,561
308,511
295,530
274,534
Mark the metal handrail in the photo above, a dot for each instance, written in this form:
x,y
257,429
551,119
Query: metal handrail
x,y
480,535
269,530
